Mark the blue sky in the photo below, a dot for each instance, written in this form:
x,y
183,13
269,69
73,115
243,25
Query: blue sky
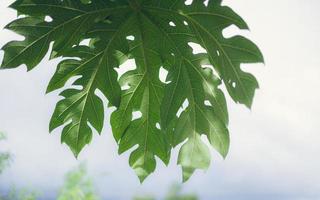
x,y
274,148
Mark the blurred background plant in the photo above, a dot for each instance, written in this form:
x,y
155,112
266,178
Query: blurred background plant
x,y
78,185
14,194
174,193
5,157
23,194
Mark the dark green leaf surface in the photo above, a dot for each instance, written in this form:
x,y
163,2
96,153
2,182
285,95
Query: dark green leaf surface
x,y
156,34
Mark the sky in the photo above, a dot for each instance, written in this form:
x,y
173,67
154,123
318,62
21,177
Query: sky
x,y
274,146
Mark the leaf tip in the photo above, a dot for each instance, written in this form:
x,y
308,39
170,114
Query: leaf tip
x,y
76,152
141,176
53,55
187,172
47,91
13,5
141,179
76,155
224,155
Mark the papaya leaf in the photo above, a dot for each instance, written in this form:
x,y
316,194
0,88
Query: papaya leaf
x,y
188,106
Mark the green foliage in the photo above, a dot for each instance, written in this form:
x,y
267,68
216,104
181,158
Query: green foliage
x,y
4,160
20,195
4,156
155,34
2,136
78,186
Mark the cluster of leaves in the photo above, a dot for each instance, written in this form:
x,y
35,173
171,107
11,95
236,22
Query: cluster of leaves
x,y
156,34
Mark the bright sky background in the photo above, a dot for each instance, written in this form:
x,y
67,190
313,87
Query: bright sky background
x,y
274,147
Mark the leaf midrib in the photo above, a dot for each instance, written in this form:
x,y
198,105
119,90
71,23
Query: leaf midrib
x,y
93,77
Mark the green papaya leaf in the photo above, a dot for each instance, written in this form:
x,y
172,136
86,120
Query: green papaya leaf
x,y
152,116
